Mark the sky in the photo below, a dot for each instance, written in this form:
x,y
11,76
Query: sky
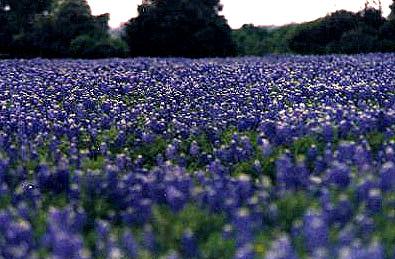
x,y
239,12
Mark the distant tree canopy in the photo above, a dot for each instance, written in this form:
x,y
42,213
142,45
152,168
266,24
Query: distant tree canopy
x,y
345,32
391,16
55,28
251,40
187,28
340,32
181,28
387,31
17,18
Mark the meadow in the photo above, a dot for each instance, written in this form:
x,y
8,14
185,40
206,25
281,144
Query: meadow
x,y
275,157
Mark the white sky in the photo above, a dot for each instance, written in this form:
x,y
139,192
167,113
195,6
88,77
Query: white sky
x,y
239,12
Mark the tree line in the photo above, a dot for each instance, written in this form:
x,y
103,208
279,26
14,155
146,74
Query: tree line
x,y
67,28
180,28
341,32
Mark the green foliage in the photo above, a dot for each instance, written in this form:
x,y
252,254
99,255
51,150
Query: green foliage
x,y
375,140
216,247
356,41
340,32
387,35
73,18
51,28
244,168
84,35
151,150
16,23
263,241
169,228
385,229
344,32
5,32
54,28
82,46
97,208
204,143
179,28
5,200
290,208
301,145
314,37
251,40
39,223
391,16
93,164
86,46
257,41
55,200
280,37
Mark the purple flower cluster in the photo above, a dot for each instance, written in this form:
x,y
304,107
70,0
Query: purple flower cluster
x,y
286,157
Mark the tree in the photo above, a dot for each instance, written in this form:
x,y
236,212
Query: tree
x,y
5,32
72,18
314,37
17,20
372,18
23,12
342,32
101,25
44,38
391,16
69,20
55,28
357,41
86,46
251,40
189,28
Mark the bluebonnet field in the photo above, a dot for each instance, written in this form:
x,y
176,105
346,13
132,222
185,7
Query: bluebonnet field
x,y
278,157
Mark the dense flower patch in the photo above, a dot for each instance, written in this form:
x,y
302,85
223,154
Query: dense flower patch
x,y
280,157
